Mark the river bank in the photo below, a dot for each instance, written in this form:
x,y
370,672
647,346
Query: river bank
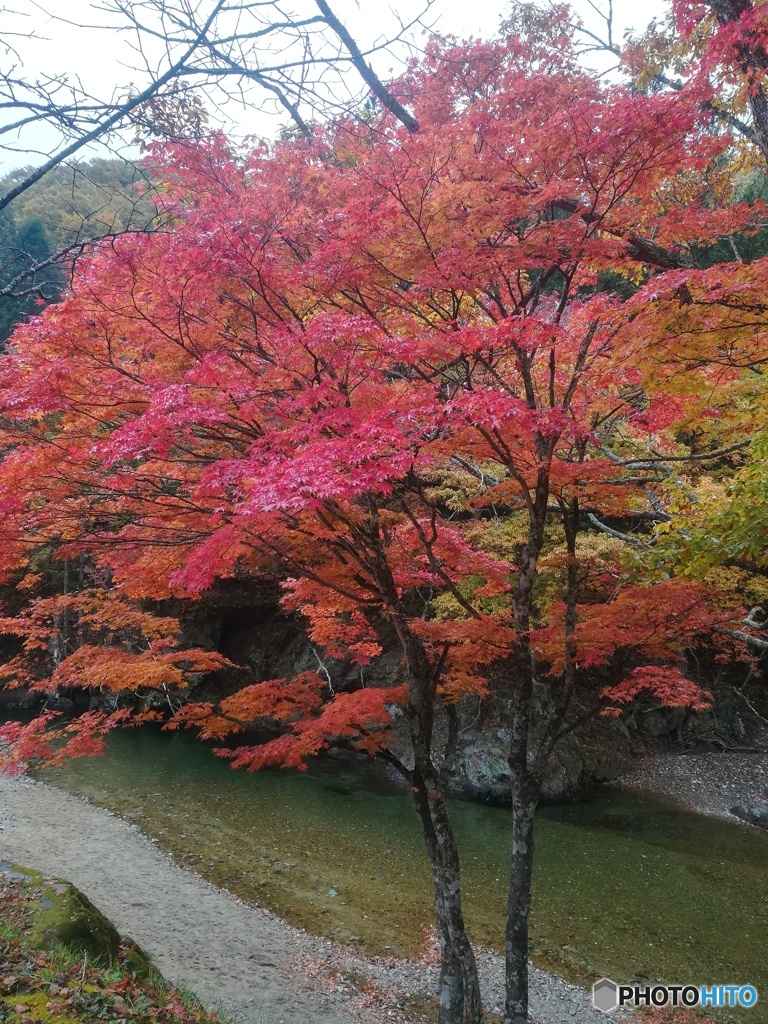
x,y
710,783
336,852
235,957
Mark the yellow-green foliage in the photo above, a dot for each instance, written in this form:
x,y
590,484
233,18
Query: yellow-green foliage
x,y
84,200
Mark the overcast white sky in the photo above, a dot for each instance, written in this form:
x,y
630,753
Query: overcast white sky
x,y
106,64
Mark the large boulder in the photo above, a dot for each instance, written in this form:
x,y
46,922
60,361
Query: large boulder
x,y
61,915
64,916
481,771
600,751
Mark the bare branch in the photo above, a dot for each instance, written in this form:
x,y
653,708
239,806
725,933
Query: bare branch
x,y
379,90
625,537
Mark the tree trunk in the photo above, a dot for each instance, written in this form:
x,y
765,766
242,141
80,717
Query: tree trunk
x,y
459,986
459,995
758,103
523,790
519,904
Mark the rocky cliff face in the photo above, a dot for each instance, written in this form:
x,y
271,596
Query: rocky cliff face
x,y
480,771
271,645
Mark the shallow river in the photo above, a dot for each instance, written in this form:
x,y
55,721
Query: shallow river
x,y
624,886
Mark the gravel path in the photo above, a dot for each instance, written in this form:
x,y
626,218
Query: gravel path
x,y
228,954
708,783
235,957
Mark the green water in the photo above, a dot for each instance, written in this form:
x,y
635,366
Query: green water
x,y
624,886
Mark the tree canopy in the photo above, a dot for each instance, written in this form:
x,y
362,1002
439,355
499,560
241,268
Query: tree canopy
x,y
481,390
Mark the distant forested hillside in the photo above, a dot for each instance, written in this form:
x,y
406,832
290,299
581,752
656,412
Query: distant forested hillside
x,y
70,205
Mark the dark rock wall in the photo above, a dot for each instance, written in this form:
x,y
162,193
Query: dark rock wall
x,y
243,621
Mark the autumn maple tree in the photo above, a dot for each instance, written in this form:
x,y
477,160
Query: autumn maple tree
x,y
446,384
712,50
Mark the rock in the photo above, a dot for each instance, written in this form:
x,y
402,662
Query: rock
x,y
64,916
135,960
19,700
600,752
741,812
59,703
6,868
482,771
755,814
102,701
662,721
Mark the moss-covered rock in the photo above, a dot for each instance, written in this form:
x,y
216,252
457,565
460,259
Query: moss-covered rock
x,y
63,916
59,915
136,961
59,986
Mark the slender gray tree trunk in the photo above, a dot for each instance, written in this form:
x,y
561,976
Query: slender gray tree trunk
x,y
518,906
459,994
459,987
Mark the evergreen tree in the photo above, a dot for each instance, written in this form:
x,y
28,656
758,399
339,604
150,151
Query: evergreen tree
x,y
24,249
